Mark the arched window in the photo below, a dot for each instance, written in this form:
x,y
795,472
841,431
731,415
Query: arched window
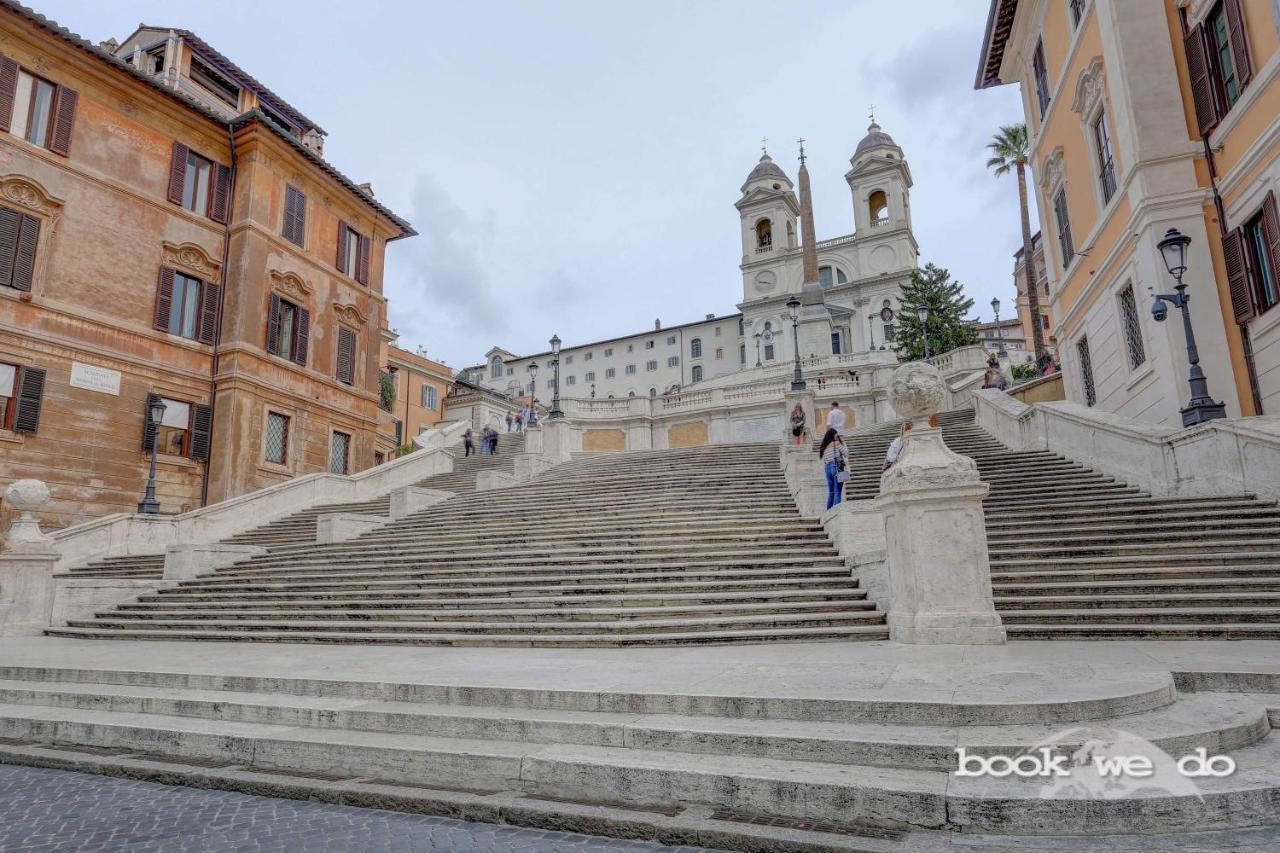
x,y
768,347
631,393
495,367
791,235
653,392
830,276
695,348
697,373
878,207
764,234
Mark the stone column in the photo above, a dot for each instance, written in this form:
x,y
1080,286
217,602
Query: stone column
x,y
935,531
26,564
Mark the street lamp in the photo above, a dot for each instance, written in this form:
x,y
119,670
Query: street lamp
x,y
757,336
155,412
533,388
555,412
793,311
1201,406
995,309
922,311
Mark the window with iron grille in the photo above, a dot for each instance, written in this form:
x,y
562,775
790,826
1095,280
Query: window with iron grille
x,y
1132,329
697,373
277,438
673,361
339,452
1086,371
651,365
610,372
1106,162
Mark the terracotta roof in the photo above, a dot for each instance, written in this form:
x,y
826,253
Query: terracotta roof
x,y
241,76
999,24
118,64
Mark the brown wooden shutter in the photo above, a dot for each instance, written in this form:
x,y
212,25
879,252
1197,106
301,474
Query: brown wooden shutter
x,y
178,172
341,260
164,299
149,429
30,399
303,335
1271,229
1237,276
24,261
8,91
1201,83
1239,37
64,120
201,431
10,229
362,266
211,295
346,355
273,325
295,215
221,205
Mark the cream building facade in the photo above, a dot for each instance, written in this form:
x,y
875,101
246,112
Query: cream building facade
x,y
856,287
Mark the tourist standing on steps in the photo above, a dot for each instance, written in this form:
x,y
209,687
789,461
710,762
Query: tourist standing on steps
x,y
493,442
520,421
797,423
835,418
469,442
835,463
511,419
895,446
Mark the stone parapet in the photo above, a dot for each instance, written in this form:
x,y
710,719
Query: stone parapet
x,y
26,592
341,526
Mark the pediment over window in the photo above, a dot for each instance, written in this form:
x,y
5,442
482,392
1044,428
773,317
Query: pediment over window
x,y
350,315
193,259
1090,87
1054,171
290,284
28,194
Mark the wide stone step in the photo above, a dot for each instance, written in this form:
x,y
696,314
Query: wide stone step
x,y
1144,558
1186,630
1139,615
1089,573
1144,600
1146,587
1264,540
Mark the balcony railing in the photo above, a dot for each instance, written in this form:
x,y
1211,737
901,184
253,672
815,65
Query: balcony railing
x,y
836,241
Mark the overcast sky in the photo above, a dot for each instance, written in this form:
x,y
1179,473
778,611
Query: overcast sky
x,y
571,167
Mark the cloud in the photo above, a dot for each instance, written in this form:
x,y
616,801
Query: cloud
x,y
930,71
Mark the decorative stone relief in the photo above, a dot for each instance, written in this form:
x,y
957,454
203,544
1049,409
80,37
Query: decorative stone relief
x,y
766,282
1054,171
25,192
290,284
1090,87
192,258
350,315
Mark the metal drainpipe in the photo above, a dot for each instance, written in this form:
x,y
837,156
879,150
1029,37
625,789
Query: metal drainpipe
x,y
217,330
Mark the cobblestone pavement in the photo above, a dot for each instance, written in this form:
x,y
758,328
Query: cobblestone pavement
x,y
55,810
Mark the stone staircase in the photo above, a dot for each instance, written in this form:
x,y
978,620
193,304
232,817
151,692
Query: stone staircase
x,y
299,529
1078,554
699,545
874,770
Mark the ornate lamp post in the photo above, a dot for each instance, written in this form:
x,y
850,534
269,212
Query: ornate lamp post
x,y
1201,407
533,388
757,336
555,412
871,334
155,412
995,309
922,311
793,311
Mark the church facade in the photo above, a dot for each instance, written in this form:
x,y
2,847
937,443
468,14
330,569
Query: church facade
x,y
854,283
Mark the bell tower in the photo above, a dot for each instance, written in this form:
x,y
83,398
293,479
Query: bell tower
x,y
768,212
880,183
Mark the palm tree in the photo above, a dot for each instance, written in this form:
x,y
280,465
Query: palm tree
x,y
1009,149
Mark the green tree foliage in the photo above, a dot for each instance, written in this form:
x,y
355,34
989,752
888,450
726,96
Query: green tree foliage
x,y
1024,371
947,326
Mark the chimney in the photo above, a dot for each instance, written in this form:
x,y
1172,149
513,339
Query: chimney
x,y
711,316
366,188
657,325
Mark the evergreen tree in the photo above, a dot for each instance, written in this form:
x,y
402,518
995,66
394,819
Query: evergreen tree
x,y
947,325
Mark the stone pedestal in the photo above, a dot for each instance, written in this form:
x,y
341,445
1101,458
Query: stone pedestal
x,y
413,499
558,439
808,484
935,531
184,562
25,536
857,530
26,592
809,405
533,439
342,526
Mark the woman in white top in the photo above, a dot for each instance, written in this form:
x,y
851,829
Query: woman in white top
x,y
834,463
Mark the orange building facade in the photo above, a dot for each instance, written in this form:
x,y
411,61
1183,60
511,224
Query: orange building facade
x,y
1145,117
1044,316
154,244
420,387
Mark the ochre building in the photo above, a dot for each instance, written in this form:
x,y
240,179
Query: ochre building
x,y
169,228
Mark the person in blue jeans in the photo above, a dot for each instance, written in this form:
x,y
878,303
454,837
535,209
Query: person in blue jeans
x,y
834,461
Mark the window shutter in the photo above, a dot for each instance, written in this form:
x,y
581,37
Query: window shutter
x,y
362,266
1271,228
8,91
341,260
148,428
178,172
64,120
273,325
304,336
295,215
1239,41
399,433
1201,84
24,263
219,210
10,229
1237,276
346,355
26,415
210,297
201,432
164,299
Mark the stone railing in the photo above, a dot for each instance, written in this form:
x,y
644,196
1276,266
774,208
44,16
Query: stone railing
x,y
836,241
1046,389
1232,456
131,533
961,359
